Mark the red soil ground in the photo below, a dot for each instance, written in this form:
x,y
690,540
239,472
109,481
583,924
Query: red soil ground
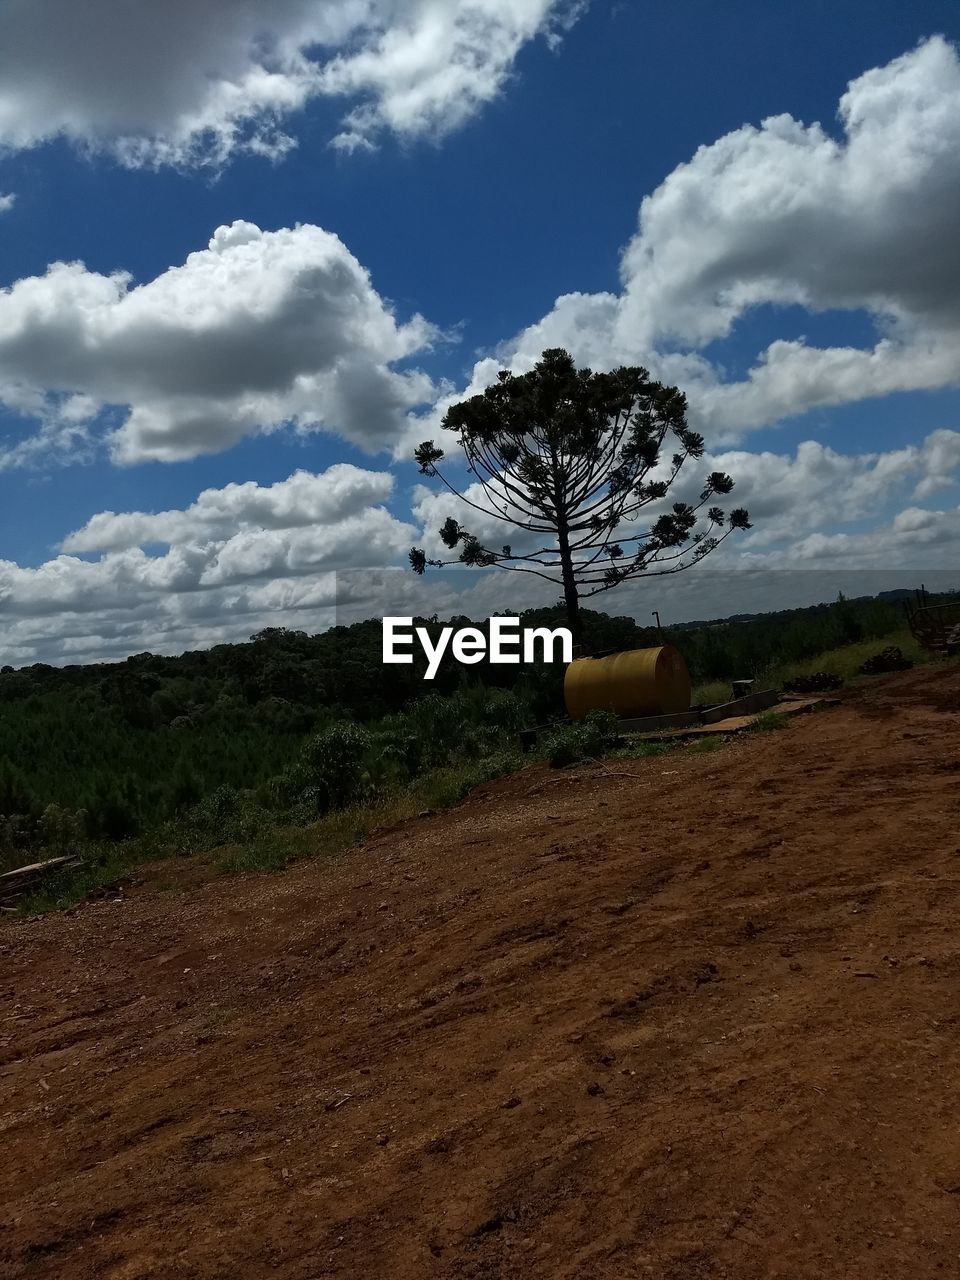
x,y
702,1021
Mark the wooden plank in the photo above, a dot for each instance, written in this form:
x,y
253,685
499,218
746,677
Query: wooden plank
x,y
752,704
37,868
17,884
749,704
644,724
737,724
685,723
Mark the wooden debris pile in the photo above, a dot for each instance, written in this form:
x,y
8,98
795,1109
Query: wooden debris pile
x,y
17,884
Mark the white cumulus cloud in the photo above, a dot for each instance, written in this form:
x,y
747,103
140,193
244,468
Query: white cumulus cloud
x,y
317,547
237,559
304,499
259,330
192,81
786,213
790,495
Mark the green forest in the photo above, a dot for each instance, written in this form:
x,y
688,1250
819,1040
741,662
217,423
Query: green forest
x,y
289,726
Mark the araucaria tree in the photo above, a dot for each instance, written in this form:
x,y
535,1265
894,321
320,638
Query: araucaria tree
x,y
572,459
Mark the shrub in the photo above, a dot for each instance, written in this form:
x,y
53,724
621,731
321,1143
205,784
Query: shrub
x,y
595,736
61,831
227,816
334,763
600,733
563,746
438,724
504,711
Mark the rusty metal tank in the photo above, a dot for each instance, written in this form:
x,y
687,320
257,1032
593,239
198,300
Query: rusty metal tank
x,y
637,682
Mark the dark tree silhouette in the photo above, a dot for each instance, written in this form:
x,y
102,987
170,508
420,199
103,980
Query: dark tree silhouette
x,y
567,455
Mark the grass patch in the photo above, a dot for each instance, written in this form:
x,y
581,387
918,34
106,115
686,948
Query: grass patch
x,y
768,722
103,865
847,660
344,828
713,693
271,848
844,661
707,744
269,852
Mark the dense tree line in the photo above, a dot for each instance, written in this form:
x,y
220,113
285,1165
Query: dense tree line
x,y
303,723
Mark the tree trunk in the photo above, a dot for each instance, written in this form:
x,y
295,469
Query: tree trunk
x,y
571,596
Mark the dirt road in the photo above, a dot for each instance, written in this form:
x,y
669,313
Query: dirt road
x,y
703,1021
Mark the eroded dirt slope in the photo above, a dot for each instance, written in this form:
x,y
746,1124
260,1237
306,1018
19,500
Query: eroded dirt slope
x,y
703,1021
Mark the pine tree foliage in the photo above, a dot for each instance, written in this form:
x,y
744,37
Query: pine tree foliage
x,y
573,461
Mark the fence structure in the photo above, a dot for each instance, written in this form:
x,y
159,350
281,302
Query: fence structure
x,y
934,624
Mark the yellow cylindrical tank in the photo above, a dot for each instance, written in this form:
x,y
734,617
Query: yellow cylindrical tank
x,y
638,682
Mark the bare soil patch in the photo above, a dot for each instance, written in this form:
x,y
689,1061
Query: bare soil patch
x,y
703,1021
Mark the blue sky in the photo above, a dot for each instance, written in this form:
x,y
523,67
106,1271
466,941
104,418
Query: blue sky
x,y
478,163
